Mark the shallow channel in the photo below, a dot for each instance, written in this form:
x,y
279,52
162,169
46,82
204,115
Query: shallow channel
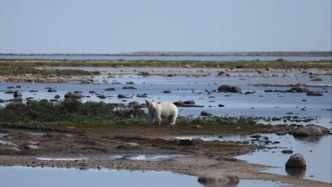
x,y
316,151
55,177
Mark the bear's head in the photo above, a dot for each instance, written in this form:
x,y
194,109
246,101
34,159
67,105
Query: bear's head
x,y
150,104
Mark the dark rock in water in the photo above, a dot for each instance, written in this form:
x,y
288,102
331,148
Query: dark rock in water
x,y
110,89
228,88
167,91
142,95
221,105
52,90
205,113
220,179
189,103
71,95
102,96
287,151
312,130
17,94
296,161
299,90
222,73
129,88
315,93
121,96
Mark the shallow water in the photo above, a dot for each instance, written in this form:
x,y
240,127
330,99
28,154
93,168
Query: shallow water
x,y
202,90
113,157
35,177
316,151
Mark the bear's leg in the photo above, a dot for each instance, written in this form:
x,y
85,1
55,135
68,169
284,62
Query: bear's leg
x,y
158,119
150,118
172,120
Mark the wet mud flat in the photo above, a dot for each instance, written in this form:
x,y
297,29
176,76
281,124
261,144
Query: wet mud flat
x,y
116,147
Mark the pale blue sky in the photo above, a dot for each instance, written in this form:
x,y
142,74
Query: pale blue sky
x,y
115,26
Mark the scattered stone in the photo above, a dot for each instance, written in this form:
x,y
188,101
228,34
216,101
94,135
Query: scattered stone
x,y
121,96
102,96
110,89
206,113
32,147
142,95
296,161
51,90
315,93
220,179
228,88
287,151
130,82
71,95
186,142
14,149
131,145
8,143
17,94
129,88
311,130
299,89
134,104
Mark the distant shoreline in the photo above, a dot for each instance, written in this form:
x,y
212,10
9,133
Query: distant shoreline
x,y
147,53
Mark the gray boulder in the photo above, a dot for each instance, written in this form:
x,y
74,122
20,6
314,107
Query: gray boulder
x,y
228,88
315,93
299,90
296,161
312,130
71,95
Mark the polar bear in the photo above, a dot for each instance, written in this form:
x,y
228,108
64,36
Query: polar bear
x,y
163,110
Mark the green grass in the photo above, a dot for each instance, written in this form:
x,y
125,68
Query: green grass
x,y
75,112
153,63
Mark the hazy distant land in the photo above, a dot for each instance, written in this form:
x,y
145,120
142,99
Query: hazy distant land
x,y
163,53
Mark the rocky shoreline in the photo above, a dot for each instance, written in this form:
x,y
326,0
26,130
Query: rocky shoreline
x,y
112,147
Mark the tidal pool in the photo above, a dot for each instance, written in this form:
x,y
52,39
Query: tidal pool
x,y
55,177
315,150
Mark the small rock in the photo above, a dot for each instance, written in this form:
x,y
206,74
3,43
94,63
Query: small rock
x,y
315,93
205,113
32,147
131,145
287,151
110,89
223,179
17,94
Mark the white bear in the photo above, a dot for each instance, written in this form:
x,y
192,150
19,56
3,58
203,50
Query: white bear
x,y
163,110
